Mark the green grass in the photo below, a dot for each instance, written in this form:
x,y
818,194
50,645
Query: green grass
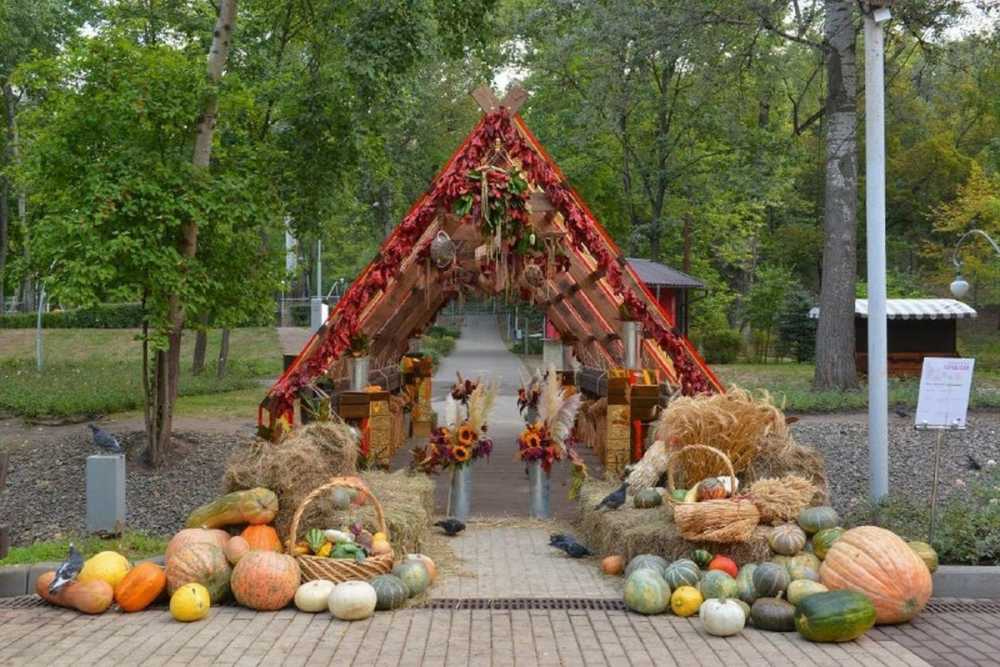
x,y
791,384
90,372
131,545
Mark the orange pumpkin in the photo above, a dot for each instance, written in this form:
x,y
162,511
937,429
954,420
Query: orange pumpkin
x,y
262,538
190,536
265,580
203,564
140,587
878,563
613,565
711,489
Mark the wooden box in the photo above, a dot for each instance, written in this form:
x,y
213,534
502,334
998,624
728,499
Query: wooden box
x,y
645,401
353,404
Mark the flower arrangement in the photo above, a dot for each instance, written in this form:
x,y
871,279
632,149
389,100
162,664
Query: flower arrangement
x,y
548,439
462,390
459,443
528,395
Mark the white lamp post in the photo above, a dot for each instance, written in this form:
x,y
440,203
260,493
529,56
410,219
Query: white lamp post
x,y
959,286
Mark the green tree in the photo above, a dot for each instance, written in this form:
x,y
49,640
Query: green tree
x,y
796,330
763,304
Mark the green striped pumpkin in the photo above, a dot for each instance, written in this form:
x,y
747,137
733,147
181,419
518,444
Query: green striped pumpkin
x,y
717,584
837,616
647,592
770,580
815,519
824,539
748,593
646,561
390,592
682,572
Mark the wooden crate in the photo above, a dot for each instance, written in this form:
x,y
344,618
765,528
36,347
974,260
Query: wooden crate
x,y
353,404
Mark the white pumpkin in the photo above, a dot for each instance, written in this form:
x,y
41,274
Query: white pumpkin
x,y
722,618
352,600
314,596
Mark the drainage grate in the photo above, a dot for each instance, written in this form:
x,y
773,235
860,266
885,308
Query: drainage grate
x,y
22,602
951,606
507,604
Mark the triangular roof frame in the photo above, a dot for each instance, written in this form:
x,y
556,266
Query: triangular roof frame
x,y
394,296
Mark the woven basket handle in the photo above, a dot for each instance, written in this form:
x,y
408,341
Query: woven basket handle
x,y
676,456
347,482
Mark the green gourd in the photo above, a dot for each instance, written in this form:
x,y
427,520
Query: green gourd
x,y
773,614
717,584
814,519
682,572
646,561
647,592
824,539
837,616
770,580
390,592
748,593
414,574
702,557
646,498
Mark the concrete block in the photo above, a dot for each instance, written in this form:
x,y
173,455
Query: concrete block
x,y
37,570
106,493
967,581
13,580
159,560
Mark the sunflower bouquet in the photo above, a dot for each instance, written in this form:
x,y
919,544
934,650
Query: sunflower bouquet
x,y
527,397
463,389
460,442
547,440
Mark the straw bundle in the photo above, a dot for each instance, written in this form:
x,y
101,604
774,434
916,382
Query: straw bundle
x,y
646,473
735,423
781,499
720,521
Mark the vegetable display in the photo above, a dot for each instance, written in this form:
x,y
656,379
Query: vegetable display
x,y
253,506
773,614
722,618
800,589
262,537
190,602
646,561
787,539
352,600
188,536
414,574
814,519
200,563
718,584
647,592
107,566
91,597
143,584
686,601
770,580
682,572
314,596
837,616
265,580
390,592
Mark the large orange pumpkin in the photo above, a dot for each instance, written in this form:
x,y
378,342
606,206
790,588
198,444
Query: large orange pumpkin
x,y
878,563
203,564
262,538
189,536
140,587
265,580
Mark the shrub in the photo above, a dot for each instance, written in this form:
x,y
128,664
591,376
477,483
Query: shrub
x,y
102,316
721,346
796,332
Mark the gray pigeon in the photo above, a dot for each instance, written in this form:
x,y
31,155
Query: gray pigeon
x,y
105,440
67,571
615,499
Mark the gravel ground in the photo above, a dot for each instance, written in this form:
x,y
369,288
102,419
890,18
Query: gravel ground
x,y
46,496
844,444
45,493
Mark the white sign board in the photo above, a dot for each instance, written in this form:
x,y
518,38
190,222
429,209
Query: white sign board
x,y
944,392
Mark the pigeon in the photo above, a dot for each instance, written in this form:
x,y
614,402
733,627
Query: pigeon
x,y
451,527
67,571
971,463
615,499
900,412
569,544
105,440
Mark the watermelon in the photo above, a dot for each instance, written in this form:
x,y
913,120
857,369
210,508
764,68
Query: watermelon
x,y
837,616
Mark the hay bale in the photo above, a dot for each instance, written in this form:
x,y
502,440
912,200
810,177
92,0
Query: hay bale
x,y
780,499
305,459
778,459
630,532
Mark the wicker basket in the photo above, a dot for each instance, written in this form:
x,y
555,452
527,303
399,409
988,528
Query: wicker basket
x,y
340,569
724,521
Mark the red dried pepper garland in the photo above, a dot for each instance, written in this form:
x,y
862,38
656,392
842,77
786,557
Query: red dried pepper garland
x,y
494,128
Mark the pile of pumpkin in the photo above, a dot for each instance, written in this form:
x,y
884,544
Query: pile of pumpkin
x,y
206,565
827,583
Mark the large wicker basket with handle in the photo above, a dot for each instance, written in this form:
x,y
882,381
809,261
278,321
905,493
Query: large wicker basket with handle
x,y
723,521
340,569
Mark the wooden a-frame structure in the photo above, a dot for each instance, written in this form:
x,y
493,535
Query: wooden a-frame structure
x,y
558,255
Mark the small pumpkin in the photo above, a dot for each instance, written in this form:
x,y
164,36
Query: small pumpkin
x,y
711,489
143,584
91,597
722,618
803,566
352,600
314,596
724,564
646,498
190,602
682,572
235,549
200,563
926,553
770,580
781,560
428,563
824,539
253,506
800,589
747,592
717,584
613,565
814,519
108,566
685,601
879,564
195,535
390,592
381,547
646,561
265,580
702,557
414,574
773,614
262,538
837,616
787,539
678,495
647,592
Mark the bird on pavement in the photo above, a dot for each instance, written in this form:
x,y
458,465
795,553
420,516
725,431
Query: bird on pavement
x,y
67,571
615,499
971,463
105,440
451,527
569,544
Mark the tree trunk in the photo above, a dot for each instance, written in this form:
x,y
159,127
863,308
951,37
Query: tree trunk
x,y
200,347
168,362
4,222
9,158
220,369
835,334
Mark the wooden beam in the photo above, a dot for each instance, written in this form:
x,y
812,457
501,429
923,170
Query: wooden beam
x,y
486,99
516,97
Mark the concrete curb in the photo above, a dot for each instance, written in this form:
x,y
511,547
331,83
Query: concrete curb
x,y
20,579
967,581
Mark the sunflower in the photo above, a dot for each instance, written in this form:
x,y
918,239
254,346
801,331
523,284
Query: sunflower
x,y
466,435
461,453
531,439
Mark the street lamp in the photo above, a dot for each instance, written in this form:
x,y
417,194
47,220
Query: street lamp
x,y
960,286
